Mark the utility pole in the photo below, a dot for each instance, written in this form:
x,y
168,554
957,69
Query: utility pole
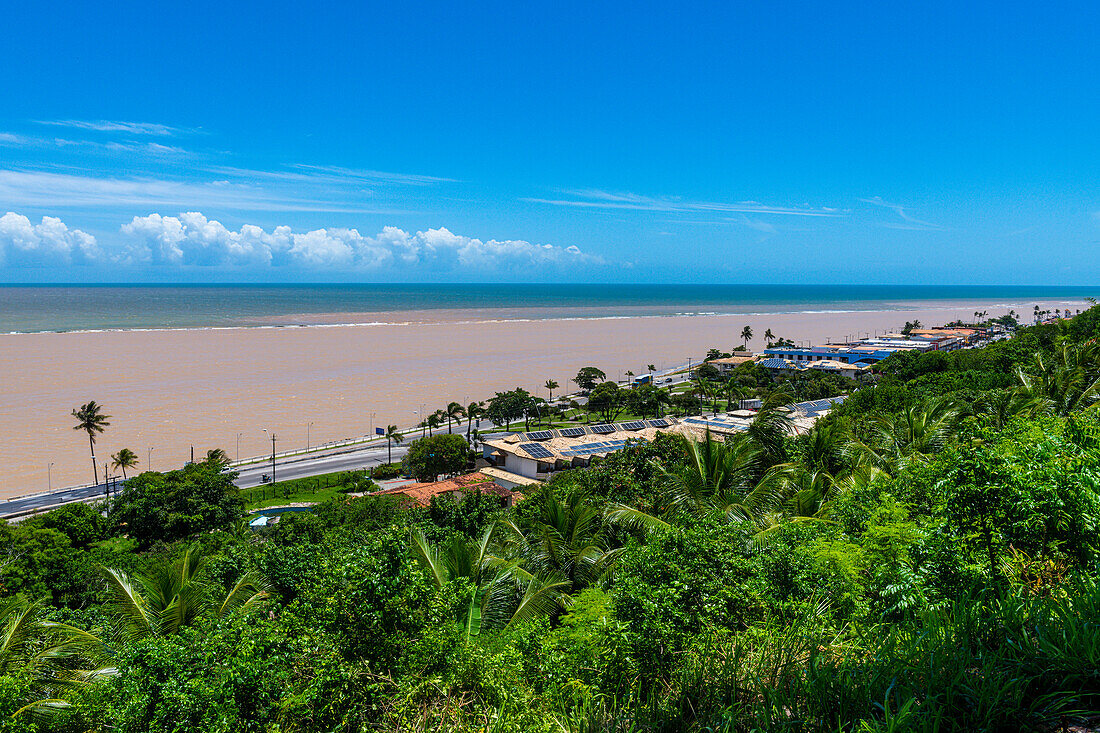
x,y
273,459
239,447
149,459
308,426
49,476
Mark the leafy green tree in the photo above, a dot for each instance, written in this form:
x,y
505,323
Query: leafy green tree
x,y
607,400
83,524
124,459
90,419
171,506
437,454
507,407
588,377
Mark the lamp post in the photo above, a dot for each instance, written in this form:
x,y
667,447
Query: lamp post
x,y
239,447
149,459
372,423
49,477
272,457
308,426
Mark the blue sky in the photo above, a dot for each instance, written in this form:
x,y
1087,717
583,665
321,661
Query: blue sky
x,y
717,142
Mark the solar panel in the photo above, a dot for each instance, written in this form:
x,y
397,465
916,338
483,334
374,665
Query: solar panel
x,y
536,451
572,432
540,435
662,423
603,429
636,425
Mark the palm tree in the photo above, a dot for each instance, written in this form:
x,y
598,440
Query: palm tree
x,y
454,558
630,376
473,411
217,457
916,434
433,421
746,335
124,459
769,337
454,412
47,654
650,368
392,436
1065,383
90,419
551,385
171,596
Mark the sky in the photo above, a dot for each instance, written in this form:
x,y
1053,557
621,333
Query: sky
x,y
726,142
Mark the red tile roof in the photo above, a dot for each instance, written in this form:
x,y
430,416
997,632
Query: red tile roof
x,y
422,493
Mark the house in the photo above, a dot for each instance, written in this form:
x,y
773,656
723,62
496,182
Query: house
x,y
729,363
421,494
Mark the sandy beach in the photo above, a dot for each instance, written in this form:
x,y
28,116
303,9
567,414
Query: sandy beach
x,y
169,389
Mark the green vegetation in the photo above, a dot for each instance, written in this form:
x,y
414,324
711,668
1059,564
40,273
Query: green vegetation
x,y
313,489
925,559
436,454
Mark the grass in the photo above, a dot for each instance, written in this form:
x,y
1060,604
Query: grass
x,y
312,489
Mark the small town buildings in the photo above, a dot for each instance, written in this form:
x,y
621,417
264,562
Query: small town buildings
x,y
728,364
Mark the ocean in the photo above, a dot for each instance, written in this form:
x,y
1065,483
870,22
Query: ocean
x,y
64,308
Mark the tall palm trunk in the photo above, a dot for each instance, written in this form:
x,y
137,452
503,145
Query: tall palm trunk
x,y
91,447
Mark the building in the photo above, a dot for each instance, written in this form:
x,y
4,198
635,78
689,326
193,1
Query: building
x,y
868,351
533,456
421,494
729,363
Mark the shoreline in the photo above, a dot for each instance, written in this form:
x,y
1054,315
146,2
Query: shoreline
x,y
533,314
169,389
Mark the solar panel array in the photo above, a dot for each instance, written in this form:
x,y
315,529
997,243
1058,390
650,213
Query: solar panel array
x,y
711,422
814,408
603,429
637,425
587,449
540,435
536,451
571,432
662,423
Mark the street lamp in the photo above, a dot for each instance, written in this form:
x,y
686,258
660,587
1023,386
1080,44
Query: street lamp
x,y
239,447
149,459
272,457
308,426
49,477
372,423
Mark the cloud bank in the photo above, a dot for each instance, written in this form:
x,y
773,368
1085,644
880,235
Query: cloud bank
x,y
50,243
192,240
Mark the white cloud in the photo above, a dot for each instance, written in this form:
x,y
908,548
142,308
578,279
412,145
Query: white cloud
x,y
131,128
907,221
596,199
192,239
50,243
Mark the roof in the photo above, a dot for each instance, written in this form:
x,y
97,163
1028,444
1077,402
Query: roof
x,y
833,364
595,440
777,363
735,360
515,478
422,493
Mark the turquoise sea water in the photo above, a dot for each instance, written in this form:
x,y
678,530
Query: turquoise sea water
x,y
79,308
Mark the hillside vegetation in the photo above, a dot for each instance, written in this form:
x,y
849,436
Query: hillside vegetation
x,y
924,560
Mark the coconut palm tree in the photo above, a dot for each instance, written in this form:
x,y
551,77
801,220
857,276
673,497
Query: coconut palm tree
x,y
55,658
630,376
769,337
217,457
1068,381
171,596
124,459
454,412
551,385
457,557
746,335
392,436
915,435
90,419
473,411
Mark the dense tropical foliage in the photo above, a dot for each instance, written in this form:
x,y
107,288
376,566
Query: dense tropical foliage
x,y
924,559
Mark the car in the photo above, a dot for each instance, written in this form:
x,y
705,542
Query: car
x,y
667,380
265,478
